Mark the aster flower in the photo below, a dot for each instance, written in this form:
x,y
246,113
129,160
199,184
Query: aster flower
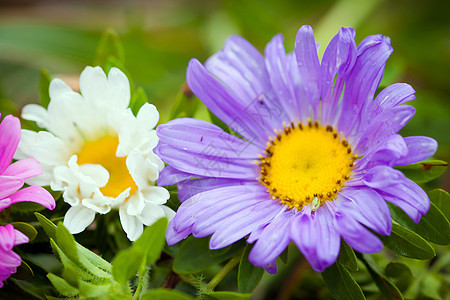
x,y
310,162
9,260
12,176
97,152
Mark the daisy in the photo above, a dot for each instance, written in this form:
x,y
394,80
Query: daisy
x,y
310,160
97,152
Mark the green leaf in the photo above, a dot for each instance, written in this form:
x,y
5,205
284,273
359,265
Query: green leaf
x,y
219,252
431,284
66,242
90,290
433,226
24,272
109,45
49,227
63,287
226,296
186,104
94,258
400,273
44,84
138,99
347,257
406,243
26,229
424,171
341,283
164,294
284,256
193,255
126,264
389,290
442,200
151,243
249,275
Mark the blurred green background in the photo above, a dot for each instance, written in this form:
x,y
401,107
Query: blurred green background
x,y
160,37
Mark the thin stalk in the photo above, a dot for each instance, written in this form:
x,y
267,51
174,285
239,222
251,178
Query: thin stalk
x,y
225,270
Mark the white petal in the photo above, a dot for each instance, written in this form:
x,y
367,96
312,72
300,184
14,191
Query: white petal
x,y
156,195
78,218
131,225
36,113
120,88
96,172
168,211
135,204
148,116
151,214
98,203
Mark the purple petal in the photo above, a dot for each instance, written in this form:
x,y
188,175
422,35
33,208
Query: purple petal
x,y
364,80
169,176
271,267
213,218
35,194
387,123
410,210
188,188
372,207
387,152
190,209
338,59
200,137
224,104
173,236
244,222
272,241
316,238
356,235
214,165
7,237
25,168
282,82
419,148
9,139
9,185
391,96
308,63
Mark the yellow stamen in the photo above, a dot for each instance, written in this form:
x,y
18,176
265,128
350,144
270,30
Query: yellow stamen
x,y
307,165
103,152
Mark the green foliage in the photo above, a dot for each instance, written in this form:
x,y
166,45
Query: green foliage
x,y
347,257
407,243
249,275
163,294
26,229
194,256
44,84
341,283
400,274
109,46
185,105
226,296
424,171
442,201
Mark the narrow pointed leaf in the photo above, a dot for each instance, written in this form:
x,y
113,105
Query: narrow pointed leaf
x,y
347,257
185,105
44,83
126,264
442,200
249,275
66,242
164,294
138,99
49,227
26,229
152,241
63,287
406,243
341,283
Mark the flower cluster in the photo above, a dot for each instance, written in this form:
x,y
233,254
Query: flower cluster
x,y
311,161
12,177
97,152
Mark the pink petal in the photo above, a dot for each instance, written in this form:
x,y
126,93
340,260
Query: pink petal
x,y
35,194
7,237
9,185
9,139
20,238
24,169
4,203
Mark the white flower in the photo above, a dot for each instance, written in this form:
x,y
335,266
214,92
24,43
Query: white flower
x,y
97,152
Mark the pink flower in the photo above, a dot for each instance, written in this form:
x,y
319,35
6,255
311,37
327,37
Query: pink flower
x,y
9,260
12,176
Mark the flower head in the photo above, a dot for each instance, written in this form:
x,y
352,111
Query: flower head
x,y
311,161
9,260
97,152
13,176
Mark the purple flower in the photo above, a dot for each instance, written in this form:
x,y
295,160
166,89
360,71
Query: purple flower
x,y
9,260
313,161
13,176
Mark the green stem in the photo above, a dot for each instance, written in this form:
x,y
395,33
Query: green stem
x,y
142,277
225,270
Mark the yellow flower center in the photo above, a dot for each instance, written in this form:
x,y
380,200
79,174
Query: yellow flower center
x,y
306,164
103,152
